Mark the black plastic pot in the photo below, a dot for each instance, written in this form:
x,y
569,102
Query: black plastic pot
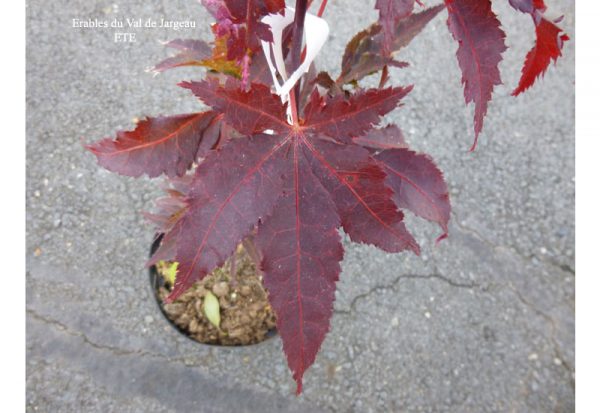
x,y
156,281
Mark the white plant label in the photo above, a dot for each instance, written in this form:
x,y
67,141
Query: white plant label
x,y
316,31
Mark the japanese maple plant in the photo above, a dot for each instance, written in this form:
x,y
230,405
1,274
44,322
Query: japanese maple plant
x,y
286,155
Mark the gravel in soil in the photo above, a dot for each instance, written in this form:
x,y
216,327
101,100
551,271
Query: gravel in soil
x,y
246,316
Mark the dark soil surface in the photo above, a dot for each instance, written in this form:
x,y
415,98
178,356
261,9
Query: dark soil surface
x,y
246,316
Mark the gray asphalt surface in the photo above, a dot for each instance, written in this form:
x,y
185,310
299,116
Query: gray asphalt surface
x,y
484,322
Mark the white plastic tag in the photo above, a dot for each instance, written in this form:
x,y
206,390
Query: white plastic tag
x,y
316,31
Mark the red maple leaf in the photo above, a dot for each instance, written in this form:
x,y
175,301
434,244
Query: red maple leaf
x,y
239,26
548,46
371,50
390,13
294,186
390,137
548,43
418,185
480,46
159,145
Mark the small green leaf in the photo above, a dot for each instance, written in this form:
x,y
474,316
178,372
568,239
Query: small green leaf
x,y
211,309
169,271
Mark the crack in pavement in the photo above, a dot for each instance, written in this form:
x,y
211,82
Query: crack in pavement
x,y
553,324
114,350
553,329
396,281
511,249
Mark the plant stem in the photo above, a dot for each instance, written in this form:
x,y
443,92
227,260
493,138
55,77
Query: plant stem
x,y
233,270
253,253
296,50
319,14
322,8
294,108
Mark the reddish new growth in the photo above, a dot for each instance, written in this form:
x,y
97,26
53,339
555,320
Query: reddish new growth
x,y
289,188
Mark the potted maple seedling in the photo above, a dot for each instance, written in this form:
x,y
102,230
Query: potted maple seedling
x,y
259,185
